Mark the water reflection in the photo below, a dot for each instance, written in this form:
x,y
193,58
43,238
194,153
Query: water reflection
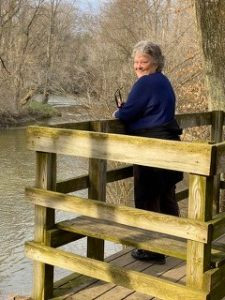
x,y
17,170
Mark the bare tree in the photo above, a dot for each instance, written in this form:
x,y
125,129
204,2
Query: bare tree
x,y
211,24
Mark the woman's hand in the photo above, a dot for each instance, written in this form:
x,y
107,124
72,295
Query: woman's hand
x,y
114,113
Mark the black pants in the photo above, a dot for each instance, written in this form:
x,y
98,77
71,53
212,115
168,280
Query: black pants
x,y
153,190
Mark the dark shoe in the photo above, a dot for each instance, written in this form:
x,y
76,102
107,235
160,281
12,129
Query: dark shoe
x,y
149,256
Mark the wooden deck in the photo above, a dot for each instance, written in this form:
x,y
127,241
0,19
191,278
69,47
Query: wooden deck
x,y
79,287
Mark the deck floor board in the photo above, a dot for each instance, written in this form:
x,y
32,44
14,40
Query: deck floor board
x,y
91,288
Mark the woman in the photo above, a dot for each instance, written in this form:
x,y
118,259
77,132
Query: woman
x,y
150,112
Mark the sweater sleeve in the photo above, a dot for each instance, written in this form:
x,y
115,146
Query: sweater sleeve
x,y
136,102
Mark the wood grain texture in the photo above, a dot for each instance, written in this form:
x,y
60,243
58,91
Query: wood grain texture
x,y
199,208
182,156
131,279
181,227
131,236
44,220
97,191
138,238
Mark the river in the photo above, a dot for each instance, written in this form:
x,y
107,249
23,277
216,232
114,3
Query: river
x,y
17,166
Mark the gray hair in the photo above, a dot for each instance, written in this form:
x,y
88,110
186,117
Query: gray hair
x,y
151,49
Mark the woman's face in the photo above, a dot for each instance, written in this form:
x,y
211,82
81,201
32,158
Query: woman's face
x,y
144,64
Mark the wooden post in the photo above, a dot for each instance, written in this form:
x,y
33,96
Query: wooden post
x,y
97,191
199,208
44,220
216,137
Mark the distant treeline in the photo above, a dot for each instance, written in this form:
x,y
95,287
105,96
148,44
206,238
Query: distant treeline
x,y
51,47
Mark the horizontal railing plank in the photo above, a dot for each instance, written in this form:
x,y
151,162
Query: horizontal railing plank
x,y
82,182
186,120
182,156
73,125
189,120
72,184
127,235
180,227
218,223
134,280
59,237
183,194
220,158
215,279
135,237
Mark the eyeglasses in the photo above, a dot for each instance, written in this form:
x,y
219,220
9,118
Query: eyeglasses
x,y
118,97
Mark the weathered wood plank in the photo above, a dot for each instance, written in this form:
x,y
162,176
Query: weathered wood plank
x,y
215,277
220,159
155,270
181,227
194,119
182,156
44,220
99,288
73,125
160,271
216,137
70,281
73,184
115,126
82,182
131,279
186,120
218,223
199,208
131,236
138,238
175,275
97,191
59,237
183,194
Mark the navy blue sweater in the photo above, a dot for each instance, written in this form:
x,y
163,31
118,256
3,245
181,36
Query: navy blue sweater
x,y
150,103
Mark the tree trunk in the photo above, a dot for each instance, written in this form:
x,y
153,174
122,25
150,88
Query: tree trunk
x,y
211,24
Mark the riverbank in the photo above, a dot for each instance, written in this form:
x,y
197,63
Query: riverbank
x,y
34,112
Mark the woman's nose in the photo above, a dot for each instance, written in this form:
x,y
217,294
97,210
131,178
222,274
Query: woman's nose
x,y
138,66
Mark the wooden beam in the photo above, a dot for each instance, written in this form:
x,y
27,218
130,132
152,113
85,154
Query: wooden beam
x,y
135,237
216,137
127,235
215,280
199,208
194,119
59,237
186,120
218,223
97,191
180,227
72,184
220,158
110,273
182,156
82,182
44,220
183,194
73,125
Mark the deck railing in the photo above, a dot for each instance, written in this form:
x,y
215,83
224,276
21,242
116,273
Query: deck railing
x,y
105,140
